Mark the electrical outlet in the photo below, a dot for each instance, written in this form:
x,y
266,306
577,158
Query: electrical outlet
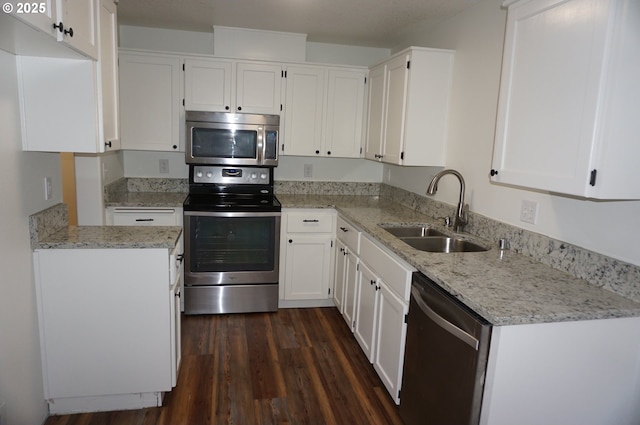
x,y
529,212
308,170
164,166
48,188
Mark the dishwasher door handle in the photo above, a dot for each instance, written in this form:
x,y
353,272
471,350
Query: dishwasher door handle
x,y
443,323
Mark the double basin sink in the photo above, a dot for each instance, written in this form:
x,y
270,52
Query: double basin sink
x,y
425,238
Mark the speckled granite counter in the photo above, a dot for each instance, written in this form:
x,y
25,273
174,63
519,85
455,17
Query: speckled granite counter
x,y
146,199
504,287
112,237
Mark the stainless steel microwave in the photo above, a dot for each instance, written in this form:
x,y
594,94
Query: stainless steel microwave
x,y
222,138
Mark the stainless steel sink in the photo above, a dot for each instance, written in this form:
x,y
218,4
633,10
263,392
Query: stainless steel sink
x,y
420,231
442,244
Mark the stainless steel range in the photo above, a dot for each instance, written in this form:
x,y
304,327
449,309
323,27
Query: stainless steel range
x,y
232,240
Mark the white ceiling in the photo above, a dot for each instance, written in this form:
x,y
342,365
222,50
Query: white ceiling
x,y
373,23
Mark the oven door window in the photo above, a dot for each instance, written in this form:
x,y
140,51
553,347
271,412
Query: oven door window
x,y
226,244
224,143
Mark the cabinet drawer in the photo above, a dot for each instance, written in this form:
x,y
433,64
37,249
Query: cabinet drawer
x,y
145,217
310,222
391,269
348,234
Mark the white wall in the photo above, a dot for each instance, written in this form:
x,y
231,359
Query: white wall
x,y
22,193
477,36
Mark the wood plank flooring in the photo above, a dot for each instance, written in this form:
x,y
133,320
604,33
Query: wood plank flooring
x,y
296,367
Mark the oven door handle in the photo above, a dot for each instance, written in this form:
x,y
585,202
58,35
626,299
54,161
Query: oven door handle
x,y
232,214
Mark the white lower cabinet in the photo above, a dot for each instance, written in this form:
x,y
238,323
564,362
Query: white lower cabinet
x,y
306,252
372,290
109,332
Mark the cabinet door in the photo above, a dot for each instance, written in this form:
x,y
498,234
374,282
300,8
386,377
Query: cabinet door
x,y
344,113
308,267
391,335
43,20
352,273
108,76
396,87
548,98
258,88
303,111
366,311
149,102
340,275
375,123
80,25
207,85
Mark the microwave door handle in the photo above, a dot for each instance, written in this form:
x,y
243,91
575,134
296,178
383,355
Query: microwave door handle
x,y
261,145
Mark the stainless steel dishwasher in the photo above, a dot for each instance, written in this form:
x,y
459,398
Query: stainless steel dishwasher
x,y
445,358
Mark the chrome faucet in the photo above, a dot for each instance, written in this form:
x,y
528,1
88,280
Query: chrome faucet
x,y
461,214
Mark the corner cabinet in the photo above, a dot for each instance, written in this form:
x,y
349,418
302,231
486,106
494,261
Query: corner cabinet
x,y
150,101
306,243
409,108
569,123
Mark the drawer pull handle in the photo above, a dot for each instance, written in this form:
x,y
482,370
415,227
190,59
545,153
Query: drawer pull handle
x,y
306,220
144,219
344,229
180,258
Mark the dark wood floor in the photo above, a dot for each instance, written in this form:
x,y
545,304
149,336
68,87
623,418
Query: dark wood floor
x,y
296,366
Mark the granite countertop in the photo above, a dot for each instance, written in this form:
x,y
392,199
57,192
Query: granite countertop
x,y
112,237
146,199
504,287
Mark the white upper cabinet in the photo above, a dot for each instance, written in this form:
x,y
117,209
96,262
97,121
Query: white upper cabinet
x,y
72,22
258,87
568,116
323,111
79,18
108,69
409,108
208,85
150,102
225,85
70,105
344,125
303,110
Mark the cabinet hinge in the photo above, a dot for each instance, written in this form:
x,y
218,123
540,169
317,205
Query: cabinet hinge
x,y
358,267
406,318
283,147
365,80
329,291
183,67
408,64
331,244
281,107
592,179
360,150
182,102
284,74
399,391
401,155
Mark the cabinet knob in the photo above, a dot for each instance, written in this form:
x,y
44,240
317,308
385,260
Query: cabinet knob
x,y
175,146
317,152
239,108
58,26
227,108
290,240
69,32
372,282
493,172
108,144
344,229
328,152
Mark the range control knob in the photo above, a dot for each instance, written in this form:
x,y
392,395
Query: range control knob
x,y
254,176
263,176
209,174
198,173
